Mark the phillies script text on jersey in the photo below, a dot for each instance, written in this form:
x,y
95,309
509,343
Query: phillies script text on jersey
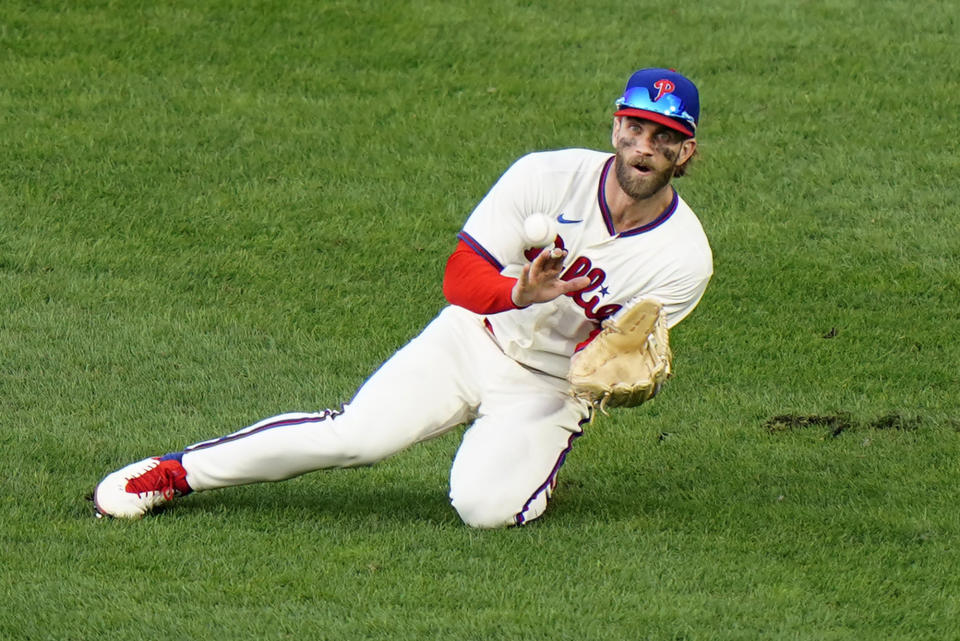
x,y
583,266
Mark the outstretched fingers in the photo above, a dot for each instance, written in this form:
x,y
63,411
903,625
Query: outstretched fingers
x,y
540,280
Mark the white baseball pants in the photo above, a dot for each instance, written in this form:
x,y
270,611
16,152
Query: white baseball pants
x,y
523,424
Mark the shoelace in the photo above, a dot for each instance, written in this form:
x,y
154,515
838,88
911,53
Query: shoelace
x,y
157,479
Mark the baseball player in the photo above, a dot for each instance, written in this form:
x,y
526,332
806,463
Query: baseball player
x,y
495,358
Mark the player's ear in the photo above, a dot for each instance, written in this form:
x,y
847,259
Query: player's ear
x,y
687,149
616,129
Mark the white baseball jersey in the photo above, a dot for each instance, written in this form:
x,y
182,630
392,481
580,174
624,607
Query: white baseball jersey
x,y
668,259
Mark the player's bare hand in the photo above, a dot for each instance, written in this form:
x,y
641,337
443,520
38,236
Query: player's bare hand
x,y
540,280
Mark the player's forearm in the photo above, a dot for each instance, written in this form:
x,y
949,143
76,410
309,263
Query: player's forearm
x,y
471,282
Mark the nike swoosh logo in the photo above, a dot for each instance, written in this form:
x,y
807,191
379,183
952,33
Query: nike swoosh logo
x,y
567,221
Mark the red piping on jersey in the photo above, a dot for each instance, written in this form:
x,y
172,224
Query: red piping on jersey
x,y
472,280
608,219
477,247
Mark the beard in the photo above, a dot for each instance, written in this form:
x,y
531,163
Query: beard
x,y
640,187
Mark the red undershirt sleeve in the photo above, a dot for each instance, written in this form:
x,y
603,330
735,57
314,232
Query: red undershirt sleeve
x,y
470,281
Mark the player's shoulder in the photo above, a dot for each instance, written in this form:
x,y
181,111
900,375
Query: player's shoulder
x,y
686,224
684,216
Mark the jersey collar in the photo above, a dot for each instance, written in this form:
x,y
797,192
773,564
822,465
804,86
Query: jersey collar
x,y
608,219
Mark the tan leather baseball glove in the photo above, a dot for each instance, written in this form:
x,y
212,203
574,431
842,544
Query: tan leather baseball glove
x,y
627,362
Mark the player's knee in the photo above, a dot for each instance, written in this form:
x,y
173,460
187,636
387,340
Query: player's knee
x,y
362,454
480,508
483,516
354,451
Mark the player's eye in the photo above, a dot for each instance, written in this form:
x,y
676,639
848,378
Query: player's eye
x,y
665,137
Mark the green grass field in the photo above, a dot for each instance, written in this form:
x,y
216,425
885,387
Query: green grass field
x,y
212,212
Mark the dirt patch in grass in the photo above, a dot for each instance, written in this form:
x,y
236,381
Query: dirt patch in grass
x,y
836,423
896,421
839,422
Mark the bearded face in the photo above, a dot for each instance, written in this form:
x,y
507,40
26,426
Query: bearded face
x,y
646,156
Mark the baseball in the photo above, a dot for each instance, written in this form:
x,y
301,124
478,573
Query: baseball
x,y
539,230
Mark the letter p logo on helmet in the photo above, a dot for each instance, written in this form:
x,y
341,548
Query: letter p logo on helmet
x,y
662,87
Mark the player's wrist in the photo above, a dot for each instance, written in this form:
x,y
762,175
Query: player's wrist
x,y
518,298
